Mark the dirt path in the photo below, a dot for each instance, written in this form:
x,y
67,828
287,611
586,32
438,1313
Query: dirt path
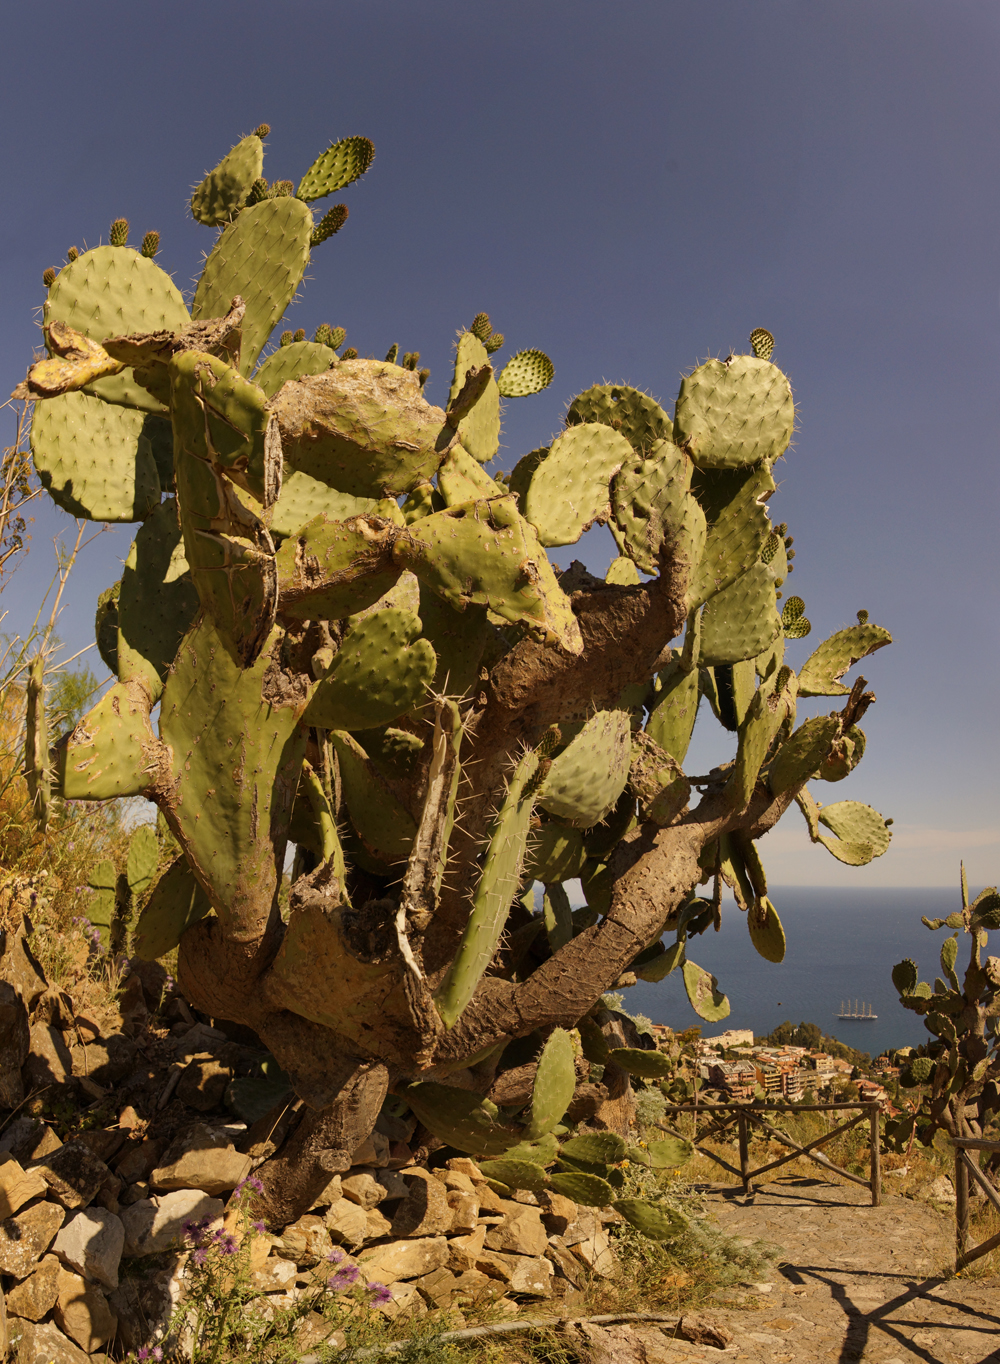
x,y
854,1282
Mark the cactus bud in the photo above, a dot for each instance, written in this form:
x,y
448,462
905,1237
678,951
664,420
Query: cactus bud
x,y
72,254
888,822
262,130
49,277
494,343
332,221
300,334
762,343
150,245
391,354
781,529
259,191
789,541
119,232
790,554
329,336
423,375
481,327
286,339
411,359
349,354
282,189
862,617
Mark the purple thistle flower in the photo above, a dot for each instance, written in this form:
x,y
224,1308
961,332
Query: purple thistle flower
x,y
380,1295
259,1227
144,1353
200,1255
335,1256
227,1245
344,1278
157,1353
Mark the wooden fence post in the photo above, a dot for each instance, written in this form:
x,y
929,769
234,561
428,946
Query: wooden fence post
x,y
876,1161
961,1207
741,1122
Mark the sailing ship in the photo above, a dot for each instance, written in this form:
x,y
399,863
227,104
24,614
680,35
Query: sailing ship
x,y
861,1013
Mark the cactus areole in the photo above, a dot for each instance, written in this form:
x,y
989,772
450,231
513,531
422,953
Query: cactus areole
x,y
359,646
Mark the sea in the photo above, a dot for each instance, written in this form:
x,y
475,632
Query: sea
x,y
841,948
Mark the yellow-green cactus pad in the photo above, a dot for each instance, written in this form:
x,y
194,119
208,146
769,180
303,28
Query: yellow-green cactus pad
x,y
479,429
176,903
742,621
735,507
674,709
826,665
340,165
331,569
93,459
262,256
527,372
385,826
223,192
652,505
381,670
773,703
363,427
569,490
36,743
158,601
800,756
766,932
462,479
112,751
302,498
587,777
704,994
114,291
734,412
293,362
637,416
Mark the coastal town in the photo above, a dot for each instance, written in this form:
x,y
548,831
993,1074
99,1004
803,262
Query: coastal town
x,y
734,1067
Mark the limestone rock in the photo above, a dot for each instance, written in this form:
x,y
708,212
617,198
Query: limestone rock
x,y
154,1225
522,1234
701,1330
24,1239
17,1186
466,1166
19,967
145,1302
394,1184
612,1344
374,1150
201,1158
455,1179
15,1042
464,1251
346,1222
34,1296
46,1344
464,1210
558,1213
48,1061
105,1142
91,1242
29,1139
582,1228
203,1084
406,1301
330,1194
361,1187
596,1254
404,1259
82,1311
566,1262
132,1005
376,1226
307,1241
274,1276
424,1211
73,1173
106,1060
314,1330
139,1160
942,1190
525,1274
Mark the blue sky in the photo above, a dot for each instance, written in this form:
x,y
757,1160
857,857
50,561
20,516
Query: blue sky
x,y
631,187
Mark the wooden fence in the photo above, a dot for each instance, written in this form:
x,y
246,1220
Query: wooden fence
x,y
721,1117
965,1166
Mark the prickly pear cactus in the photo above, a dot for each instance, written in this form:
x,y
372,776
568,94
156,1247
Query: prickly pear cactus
x,y
357,644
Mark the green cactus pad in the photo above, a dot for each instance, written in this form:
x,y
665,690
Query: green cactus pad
x,y
331,569
657,968
652,505
586,779
742,621
595,1048
555,853
569,490
115,291
158,601
223,192
106,626
674,709
36,743
647,1065
557,915
589,1190
462,479
516,1174
458,639
527,372
638,417
494,894
596,1148
523,472
703,993
363,427
793,622
542,1152
340,165
905,976
735,506
821,673
459,1118
109,752
734,412
385,826
622,572
142,859
93,459
293,362
555,1081
227,808
512,574
302,498
479,430
921,1069
103,881
855,823
654,1220
262,256
766,932
801,754
670,1153
382,669
773,703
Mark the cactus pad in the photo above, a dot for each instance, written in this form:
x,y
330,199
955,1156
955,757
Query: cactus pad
x,y
331,569
589,1190
762,343
905,976
555,853
382,669
773,703
595,1148
93,459
106,626
458,637
459,1118
294,361
741,621
479,430
703,993
302,498
735,506
516,1174
555,1080
655,1221
340,165
223,192
638,417
670,1153
36,743
734,412
141,860
158,601
111,291
589,775
462,479
647,1065
652,504
569,490
821,673
801,754
855,823
655,778
527,372
793,620
112,751
262,257
674,709
766,932
384,825
363,427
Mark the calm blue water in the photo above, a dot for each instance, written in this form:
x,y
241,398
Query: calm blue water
x,y
841,944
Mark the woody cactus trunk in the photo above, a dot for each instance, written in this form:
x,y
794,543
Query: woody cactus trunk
x,y
359,646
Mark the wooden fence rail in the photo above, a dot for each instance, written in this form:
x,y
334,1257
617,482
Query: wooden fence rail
x,y
745,1116
964,1167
